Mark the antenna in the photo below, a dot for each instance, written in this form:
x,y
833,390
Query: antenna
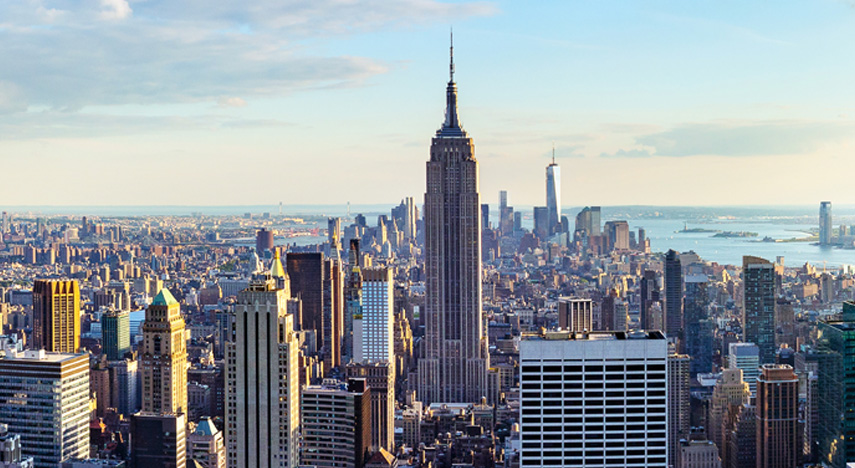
x,y
451,56
553,152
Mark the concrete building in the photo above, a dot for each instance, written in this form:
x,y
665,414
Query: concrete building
x,y
10,450
679,407
163,357
573,383
373,330
336,424
698,454
456,359
730,393
205,445
778,435
44,398
262,380
380,377
575,314
56,315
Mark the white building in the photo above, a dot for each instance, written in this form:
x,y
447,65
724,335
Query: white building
x,y
262,381
373,332
44,398
594,399
205,445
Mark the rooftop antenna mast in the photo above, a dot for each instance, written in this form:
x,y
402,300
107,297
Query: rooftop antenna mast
x,y
451,56
553,152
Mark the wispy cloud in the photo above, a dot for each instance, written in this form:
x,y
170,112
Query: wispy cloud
x,y
740,139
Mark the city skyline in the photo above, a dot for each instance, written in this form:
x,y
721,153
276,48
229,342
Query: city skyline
x,y
151,95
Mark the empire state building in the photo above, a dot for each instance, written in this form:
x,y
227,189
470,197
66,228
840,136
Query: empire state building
x,y
454,369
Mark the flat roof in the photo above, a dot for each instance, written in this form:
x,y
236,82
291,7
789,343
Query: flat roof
x,y
560,335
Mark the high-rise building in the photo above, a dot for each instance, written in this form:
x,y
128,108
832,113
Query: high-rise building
x,y
730,393
454,367
159,440
594,399
373,331
336,424
825,226
541,222
836,389
742,452
673,297
334,232
124,385
306,275
44,398
352,298
758,305
618,235
263,240
778,435
745,356
698,454
163,357
575,314
56,315
649,292
262,380
333,312
553,194
485,216
698,329
205,445
679,407
380,377
10,448
116,334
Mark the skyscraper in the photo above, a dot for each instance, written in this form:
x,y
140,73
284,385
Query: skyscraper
x,y
159,440
729,394
678,404
372,332
163,357
553,194
116,334
745,356
778,435
698,328
454,368
262,381
353,299
541,222
56,315
825,227
673,297
306,275
594,399
758,305
649,293
575,314
263,240
44,397
336,424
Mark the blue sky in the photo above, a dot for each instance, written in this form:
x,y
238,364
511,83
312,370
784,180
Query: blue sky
x,y
329,101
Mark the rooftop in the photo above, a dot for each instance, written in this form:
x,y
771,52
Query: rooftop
x,y
557,335
164,298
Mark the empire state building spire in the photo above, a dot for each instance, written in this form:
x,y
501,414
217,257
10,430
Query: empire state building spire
x,y
451,127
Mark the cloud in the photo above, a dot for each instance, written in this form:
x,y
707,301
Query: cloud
x,y
115,9
231,102
630,153
567,152
740,139
168,52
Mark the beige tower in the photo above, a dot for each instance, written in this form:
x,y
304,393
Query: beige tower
x,y
454,368
729,394
164,357
262,379
56,315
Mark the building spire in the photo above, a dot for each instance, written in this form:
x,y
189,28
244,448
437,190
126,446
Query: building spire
x,y
553,152
451,58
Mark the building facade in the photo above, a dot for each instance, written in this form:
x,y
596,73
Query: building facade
x,y
758,305
595,399
262,381
336,424
163,357
575,314
116,334
56,315
44,398
778,435
454,368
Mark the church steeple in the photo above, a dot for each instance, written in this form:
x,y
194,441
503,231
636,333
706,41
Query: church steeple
x,y
451,126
